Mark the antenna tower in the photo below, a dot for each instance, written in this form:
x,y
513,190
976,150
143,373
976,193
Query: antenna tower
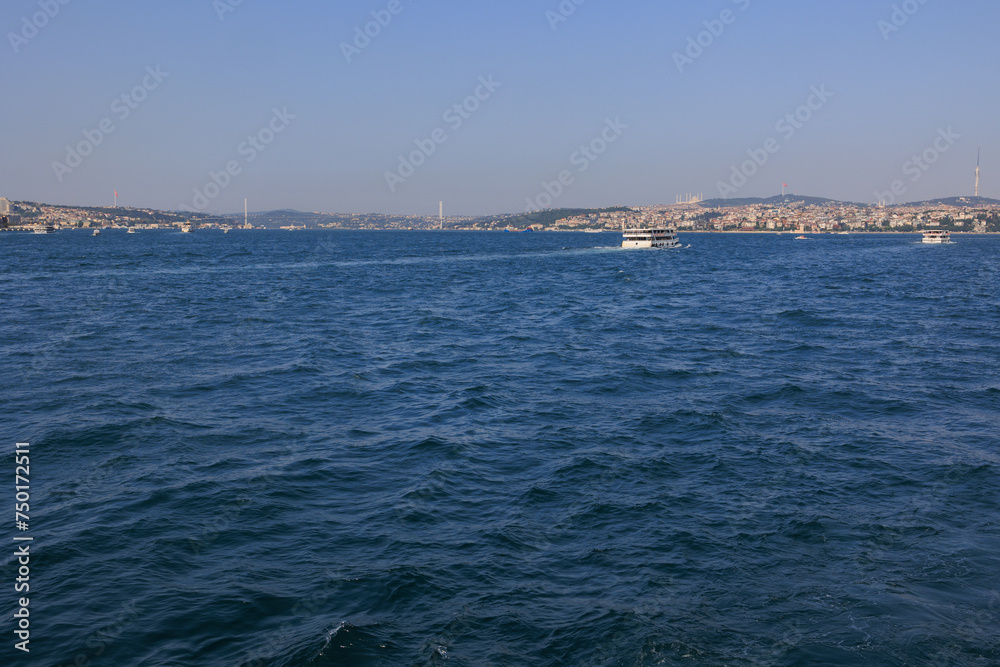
x,y
978,155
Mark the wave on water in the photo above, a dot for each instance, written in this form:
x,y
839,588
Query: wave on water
x,y
363,448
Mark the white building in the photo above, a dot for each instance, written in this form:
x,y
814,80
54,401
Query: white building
x,y
4,206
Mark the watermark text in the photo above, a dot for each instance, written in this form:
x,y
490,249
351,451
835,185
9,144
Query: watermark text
x,y
122,107
454,117
22,554
249,150
787,127
698,44
30,27
363,35
901,15
918,165
581,158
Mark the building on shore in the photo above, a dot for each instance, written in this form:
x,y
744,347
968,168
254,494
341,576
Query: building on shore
x,y
8,218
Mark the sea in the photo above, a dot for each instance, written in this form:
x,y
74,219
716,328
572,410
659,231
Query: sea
x,y
423,448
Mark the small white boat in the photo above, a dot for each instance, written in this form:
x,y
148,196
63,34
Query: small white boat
x,y
650,237
43,229
801,238
937,236
97,232
186,228
131,230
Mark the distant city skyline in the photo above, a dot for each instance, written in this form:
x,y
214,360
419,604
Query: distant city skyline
x,y
393,106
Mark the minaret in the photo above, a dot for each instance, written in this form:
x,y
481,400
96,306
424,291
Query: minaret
x,y
440,215
978,154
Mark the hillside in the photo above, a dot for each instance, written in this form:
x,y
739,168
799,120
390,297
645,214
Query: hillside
x,y
971,202
289,217
788,200
547,217
777,200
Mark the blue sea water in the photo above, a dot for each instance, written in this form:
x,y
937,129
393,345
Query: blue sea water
x,y
446,448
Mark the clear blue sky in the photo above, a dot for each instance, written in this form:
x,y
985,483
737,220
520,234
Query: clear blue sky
x,y
892,92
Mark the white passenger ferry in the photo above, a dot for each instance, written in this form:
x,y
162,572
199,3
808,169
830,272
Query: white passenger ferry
x,y
650,237
937,236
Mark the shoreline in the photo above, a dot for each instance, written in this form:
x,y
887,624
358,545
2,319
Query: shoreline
x,y
546,231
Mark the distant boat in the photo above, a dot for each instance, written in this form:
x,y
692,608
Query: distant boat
x,y
131,230
801,238
44,229
225,230
186,227
97,232
937,236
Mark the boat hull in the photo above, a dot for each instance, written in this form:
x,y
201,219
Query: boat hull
x,y
660,238
651,244
937,237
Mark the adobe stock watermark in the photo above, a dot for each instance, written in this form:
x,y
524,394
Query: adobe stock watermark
x,y
704,40
901,15
919,164
122,107
454,116
581,158
30,27
787,126
249,150
562,13
363,36
223,7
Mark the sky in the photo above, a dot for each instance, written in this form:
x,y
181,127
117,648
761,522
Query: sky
x,y
494,106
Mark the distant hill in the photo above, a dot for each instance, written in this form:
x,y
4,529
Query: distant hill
x,y
287,217
290,217
547,217
777,200
788,200
30,209
972,202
